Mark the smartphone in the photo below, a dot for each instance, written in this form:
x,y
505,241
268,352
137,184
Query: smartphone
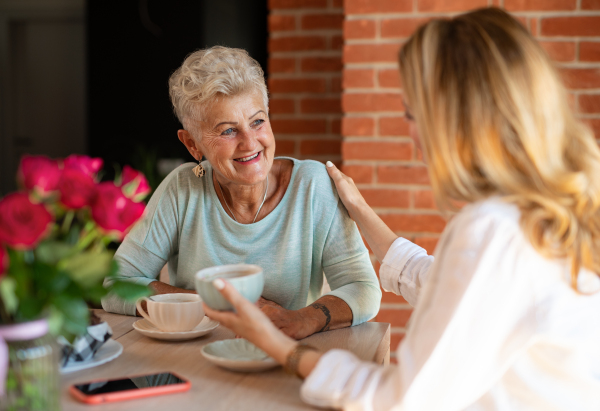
x,y
128,388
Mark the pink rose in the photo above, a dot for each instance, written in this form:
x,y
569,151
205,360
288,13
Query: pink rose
x,y
39,173
22,223
77,189
4,263
114,213
135,185
88,165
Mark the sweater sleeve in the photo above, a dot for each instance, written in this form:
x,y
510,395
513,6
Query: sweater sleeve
x,y
405,269
348,269
146,249
475,316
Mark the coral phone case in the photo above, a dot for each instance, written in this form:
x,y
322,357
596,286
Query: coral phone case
x,y
129,394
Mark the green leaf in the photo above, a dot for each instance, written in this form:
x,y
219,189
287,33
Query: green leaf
x,y
55,320
75,314
130,291
7,293
88,268
51,252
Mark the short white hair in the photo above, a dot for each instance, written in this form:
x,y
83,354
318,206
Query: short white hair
x,y
206,74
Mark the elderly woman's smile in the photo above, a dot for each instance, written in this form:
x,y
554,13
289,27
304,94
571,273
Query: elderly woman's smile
x,y
235,136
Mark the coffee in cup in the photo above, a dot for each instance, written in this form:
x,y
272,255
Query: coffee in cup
x,y
173,312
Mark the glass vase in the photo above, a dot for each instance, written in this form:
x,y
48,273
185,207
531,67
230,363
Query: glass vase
x,y
32,380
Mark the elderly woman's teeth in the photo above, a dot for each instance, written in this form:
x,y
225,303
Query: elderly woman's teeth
x,y
243,159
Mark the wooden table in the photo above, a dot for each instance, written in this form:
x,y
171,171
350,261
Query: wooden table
x,y
214,388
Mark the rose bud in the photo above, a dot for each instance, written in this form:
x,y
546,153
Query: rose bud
x,y
4,262
77,189
22,223
90,166
114,213
135,185
39,174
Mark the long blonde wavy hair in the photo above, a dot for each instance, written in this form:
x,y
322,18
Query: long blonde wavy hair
x,y
494,119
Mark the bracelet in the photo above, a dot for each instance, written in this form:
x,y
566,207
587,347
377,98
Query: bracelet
x,y
293,359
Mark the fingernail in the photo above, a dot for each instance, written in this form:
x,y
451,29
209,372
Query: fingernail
x,y
219,284
329,164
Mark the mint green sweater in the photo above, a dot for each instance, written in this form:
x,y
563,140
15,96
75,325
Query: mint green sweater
x,y
309,233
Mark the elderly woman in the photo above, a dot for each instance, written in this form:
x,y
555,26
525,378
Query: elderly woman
x,y
507,315
242,204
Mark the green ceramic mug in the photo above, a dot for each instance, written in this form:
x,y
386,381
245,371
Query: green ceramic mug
x,y
247,279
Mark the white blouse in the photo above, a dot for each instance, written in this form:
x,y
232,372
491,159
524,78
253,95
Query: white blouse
x,y
497,327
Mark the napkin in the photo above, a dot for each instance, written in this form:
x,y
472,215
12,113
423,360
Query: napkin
x,y
84,347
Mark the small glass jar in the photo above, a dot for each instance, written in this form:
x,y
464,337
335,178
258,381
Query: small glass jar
x,y
32,381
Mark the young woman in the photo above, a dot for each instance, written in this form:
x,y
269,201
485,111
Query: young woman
x,y
508,313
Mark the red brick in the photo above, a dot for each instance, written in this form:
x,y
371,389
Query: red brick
x,y
400,27
560,50
322,21
424,199
428,243
277,65
397,318
380,150
320,105
296,4
416,223
539,5
297,43
281,106
590,4
571,26
371,53
321,64
395,339
389,297
594,124
377,6
403,175
336,84
338,3
358,78
589,103
337,43
336,126
279,22
393,126
303,126
589,51
377,197
389,78
316,147
285,147
581,78
358,126
446,5
365,102
360,174
313,85
359,29
534,23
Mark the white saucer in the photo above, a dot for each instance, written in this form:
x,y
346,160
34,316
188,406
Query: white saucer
x,y
238,355
108,352
149,330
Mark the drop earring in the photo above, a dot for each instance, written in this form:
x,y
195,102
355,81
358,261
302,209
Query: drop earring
x,y
199,170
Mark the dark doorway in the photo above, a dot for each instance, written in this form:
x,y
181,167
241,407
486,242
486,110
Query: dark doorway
x,y
133,47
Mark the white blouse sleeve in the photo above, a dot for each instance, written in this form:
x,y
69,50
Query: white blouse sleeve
x,y
475,315
405,269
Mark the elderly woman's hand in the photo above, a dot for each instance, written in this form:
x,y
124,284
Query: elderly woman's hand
x,y
249,322
295,324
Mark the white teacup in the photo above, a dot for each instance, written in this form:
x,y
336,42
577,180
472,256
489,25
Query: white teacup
x,y
173,312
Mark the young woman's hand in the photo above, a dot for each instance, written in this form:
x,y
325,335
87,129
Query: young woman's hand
x,y
349,194
249,322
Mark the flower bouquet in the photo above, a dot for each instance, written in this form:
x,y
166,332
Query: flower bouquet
x,y
54,254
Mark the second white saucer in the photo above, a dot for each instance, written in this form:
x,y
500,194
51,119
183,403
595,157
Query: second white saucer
x,y
149,330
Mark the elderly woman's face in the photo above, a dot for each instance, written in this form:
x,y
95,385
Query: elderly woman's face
x,y
237,139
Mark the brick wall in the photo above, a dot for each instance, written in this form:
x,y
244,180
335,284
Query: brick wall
x,y
305,71
305,68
